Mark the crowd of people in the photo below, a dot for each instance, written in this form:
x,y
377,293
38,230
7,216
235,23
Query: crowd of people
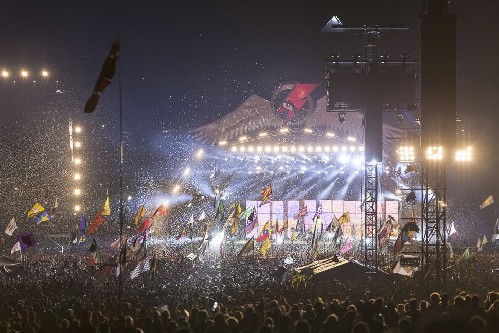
x,y
61,293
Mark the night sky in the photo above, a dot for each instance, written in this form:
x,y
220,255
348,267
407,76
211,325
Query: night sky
x,y
185,63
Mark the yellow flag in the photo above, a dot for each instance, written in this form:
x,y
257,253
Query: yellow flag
x,y
294,235
484,240
265,246
37,209
106,210
140,214
345,218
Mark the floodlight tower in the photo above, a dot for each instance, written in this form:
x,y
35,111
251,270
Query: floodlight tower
x,y
371,85
438,130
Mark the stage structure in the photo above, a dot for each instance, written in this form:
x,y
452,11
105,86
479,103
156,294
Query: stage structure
x,y
438,130
372,85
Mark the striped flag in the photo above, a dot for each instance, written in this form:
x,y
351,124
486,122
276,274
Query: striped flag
x,y
142,267
141,213
37,209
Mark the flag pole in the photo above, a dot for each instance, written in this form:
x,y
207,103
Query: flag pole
x,y
121,209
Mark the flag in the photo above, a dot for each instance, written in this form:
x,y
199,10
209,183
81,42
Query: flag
x,y
94,258
43,218
301,213
316,224
384,233
220,211
154,267
337,234
284,226
105,210
453,230
234,227
142,267
345,218
119,242
407,271
26,240
93,246
266,193
294,235
484,240
248,247
145,225
247,213
251,225
265,246
56,204
37,209
140,214
333,223
346,247
105,77
83,224
202,216
401,240
16,247
97,222
265,233
464,256
487,202
9,230
191,222
161,210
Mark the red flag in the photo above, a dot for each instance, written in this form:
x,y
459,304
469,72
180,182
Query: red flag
x,y
106,76
98,221
145,225
160,211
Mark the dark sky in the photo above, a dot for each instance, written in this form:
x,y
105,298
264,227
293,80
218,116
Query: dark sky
x,y
184,63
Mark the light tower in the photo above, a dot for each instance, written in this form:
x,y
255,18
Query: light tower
x,y
369,85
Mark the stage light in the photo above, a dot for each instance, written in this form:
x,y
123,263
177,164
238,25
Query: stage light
x,y
77,191
435,153
77,144
77,176
200,153
222,143
176,189
77,208
284,130
129,198
233,149
24,73
267,149
284,149
351,139
276,149
263,134
352,148
343,148
77,129
464,155
318,149
251,149
335,149
187,171
292,149
342,116
327,149
330,134
301,149
243,138
406,154
45,73
77,161
310,149
5,74
308,130
259,149
361,148
166,203
242,149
